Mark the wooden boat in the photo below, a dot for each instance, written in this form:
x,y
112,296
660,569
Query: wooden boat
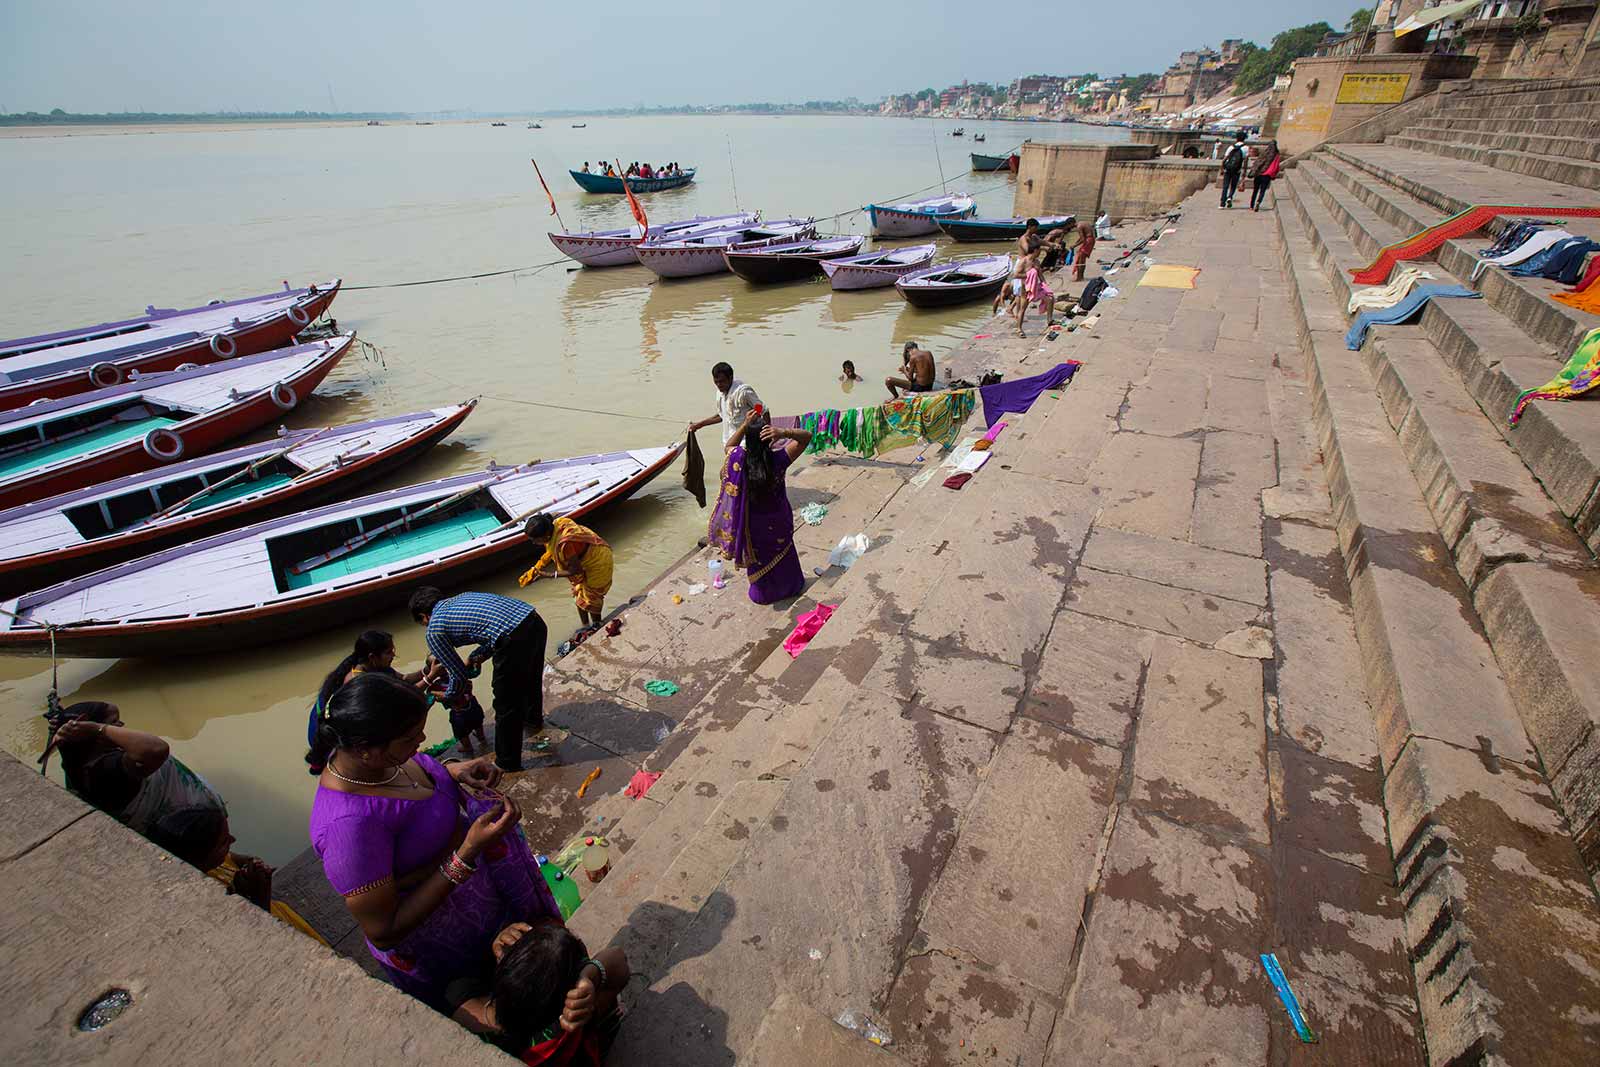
x,y
790,261
580,125
959,131
302,573
612,248
74,533
61,445
534,126
978,138
497,124
601,183
958,282
702,254
54,365
976,229
914,217
986,164
875,270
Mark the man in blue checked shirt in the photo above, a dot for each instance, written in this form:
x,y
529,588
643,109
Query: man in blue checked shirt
x,y
506,631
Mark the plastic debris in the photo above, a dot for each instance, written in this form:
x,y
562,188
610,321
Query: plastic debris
x,y
587,782
813,513
662,732
676,599
815,953
1291,1003
863,1025
697,588
661,687
850,548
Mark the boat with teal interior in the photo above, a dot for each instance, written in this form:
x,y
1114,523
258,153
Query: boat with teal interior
x,y
605,183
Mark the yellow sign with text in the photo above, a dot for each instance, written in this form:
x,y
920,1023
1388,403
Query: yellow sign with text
x,y
1373,88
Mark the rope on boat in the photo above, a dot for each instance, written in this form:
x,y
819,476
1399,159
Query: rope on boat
x,y
553,407
535,268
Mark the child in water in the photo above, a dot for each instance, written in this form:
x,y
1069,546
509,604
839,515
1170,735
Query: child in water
x,y
544,979
849,377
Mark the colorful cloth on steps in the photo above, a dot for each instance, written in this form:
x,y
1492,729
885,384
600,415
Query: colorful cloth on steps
x,y
1528,250
806,627
1383,296
1468,221
986,442
1016,397
956,481
1401,312
1590,276
1581,374
1561,262
867,432
1588,300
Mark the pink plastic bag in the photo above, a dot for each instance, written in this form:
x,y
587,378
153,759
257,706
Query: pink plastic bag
x,y
806,627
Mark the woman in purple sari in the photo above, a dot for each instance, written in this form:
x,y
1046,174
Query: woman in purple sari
x,y
429,859
753,524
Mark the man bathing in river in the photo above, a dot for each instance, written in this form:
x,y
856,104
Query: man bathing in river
x,y
735,401
916,364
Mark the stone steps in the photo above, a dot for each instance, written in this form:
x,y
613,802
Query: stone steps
x,y
1504,531
1532,137
1582,129
1580,173
1513,110
1461,788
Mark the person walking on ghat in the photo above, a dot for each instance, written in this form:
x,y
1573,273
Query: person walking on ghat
x,y
735,402
506,631
1271,165
1233,162
577,554
916,369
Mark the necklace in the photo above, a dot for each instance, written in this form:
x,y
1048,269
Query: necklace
x,y
357,781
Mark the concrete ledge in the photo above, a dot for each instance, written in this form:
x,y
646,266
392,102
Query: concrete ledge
x,y
92,907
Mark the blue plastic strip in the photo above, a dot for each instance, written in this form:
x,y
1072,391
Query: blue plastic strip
x,y
1269,960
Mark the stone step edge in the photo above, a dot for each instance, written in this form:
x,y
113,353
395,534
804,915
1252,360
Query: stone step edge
x,y
1555,459
1566,146
1577,174
1459,1026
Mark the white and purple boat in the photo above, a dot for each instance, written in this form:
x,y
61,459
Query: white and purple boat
x,y
703,254
791,261
616,248
875,270
913,218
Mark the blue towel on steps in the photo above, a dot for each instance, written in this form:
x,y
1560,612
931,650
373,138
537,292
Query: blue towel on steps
x,y
1559,262
1401,312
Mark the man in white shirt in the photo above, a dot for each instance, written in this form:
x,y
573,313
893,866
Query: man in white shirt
x,y
735,400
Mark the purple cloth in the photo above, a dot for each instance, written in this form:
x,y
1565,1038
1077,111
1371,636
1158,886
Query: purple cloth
x,y
757,535
363,840
1018,396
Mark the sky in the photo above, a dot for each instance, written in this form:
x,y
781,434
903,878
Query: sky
x,y
530,56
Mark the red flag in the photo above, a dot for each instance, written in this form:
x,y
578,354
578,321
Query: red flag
x,y
634,205
547,192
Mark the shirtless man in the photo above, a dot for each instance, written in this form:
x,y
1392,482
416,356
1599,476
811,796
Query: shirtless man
x,y
917,366
1030,240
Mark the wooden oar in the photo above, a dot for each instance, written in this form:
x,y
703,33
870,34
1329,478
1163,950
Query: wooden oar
x,y
405,520
236,476
515,520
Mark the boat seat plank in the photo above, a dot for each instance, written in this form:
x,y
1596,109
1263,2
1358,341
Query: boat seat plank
x,y
401,544
37,533
210,390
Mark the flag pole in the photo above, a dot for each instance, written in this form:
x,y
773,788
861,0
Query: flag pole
x,y
553,209
634,205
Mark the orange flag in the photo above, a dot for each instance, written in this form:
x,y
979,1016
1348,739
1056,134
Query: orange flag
x,y
634,205
546,185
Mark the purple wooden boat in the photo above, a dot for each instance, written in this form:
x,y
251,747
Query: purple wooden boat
x,y
791,260
703,254
615,248
87,529
913,218
875,270
957,282
305,572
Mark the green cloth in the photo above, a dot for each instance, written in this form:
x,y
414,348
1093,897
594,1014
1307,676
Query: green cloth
x,y
111,433
866,432
401,544
661,687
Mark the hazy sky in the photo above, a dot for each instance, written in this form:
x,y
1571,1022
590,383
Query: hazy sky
x,y
283,55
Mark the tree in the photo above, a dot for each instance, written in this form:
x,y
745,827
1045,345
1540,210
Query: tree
x,y
57,111
1263,66
1359,22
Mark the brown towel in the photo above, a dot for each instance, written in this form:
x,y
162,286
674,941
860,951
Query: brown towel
x,y
694,470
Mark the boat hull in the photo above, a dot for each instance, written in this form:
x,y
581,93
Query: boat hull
x,y
849,277
620,248
762,269
986,164
949,296
272,332
285,619
46,568
200,434
890,222
600,183
977,230
992,274
687,261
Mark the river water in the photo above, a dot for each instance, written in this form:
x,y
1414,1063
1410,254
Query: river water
x,y
99,225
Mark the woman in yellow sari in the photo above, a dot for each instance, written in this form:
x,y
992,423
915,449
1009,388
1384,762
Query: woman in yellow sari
x,y
576,553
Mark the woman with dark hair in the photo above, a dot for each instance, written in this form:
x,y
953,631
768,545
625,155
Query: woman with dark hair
x,y
128,774
753,524
1269,168
374,653
430,860
577,554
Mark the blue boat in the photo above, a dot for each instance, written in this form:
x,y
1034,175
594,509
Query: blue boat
x,y
976,229
601,183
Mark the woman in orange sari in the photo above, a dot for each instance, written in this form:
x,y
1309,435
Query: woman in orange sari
x,y
576,553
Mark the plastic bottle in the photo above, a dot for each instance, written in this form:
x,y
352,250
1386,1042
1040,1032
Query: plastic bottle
x,y
715,567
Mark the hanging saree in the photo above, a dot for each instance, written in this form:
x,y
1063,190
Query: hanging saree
x,y
868,432
1581,374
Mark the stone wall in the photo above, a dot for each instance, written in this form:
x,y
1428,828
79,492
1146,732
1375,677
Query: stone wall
x,y
1331,94
91,907
1151,187
1068,179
